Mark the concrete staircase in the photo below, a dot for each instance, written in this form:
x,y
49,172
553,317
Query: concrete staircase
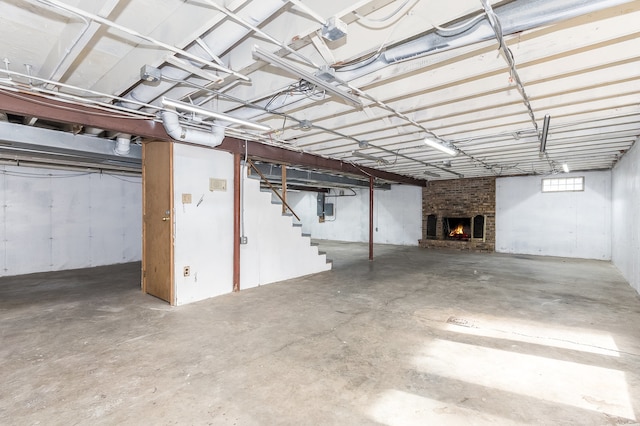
x,y
277,249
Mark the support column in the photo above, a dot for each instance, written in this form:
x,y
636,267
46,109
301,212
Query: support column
x,y
236,221
370,217
284,188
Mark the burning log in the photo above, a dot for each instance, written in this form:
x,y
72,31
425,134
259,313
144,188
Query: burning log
x,y
458,233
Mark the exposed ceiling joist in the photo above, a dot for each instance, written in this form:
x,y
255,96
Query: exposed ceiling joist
x,y
54,110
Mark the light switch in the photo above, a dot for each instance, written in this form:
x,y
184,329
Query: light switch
x,y
186,198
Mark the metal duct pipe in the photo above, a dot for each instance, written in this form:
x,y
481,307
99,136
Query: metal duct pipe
x,y
172,125
515,17
123,145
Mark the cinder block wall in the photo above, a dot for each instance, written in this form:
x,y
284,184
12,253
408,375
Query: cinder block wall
x,y
460,198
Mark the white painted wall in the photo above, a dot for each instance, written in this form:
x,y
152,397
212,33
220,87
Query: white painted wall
x,y
203,229
567,224
275,251
626,214
397,215
53,220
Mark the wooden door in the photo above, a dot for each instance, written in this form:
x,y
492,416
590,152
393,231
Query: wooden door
x,y
157,223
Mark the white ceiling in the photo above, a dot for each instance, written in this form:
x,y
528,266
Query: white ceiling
x,y
582,69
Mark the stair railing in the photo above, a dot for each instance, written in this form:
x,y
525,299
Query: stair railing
x,y
275,191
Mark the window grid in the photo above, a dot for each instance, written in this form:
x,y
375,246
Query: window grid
x,y
563,184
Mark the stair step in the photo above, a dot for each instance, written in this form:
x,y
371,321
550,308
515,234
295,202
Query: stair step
x,y
276,201
297,225
288,214
314,244
330,262
306,235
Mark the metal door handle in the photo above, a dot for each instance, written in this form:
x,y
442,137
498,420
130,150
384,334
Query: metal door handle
x,y
164,219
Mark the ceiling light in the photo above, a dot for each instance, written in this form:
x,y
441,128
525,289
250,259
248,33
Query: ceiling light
x,y
545,132
365,144
428,173
182,106
286,66
369,157
565,167
440,146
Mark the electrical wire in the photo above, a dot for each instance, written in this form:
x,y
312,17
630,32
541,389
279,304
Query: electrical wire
x,y
458,29
386,18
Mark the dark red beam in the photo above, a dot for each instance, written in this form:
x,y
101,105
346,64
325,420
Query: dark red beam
x,y
63,112
274,153
49,109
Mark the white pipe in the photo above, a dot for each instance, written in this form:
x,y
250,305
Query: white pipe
x,y
181,133
123,145
159,43
306,9
69,86
257,30
232,32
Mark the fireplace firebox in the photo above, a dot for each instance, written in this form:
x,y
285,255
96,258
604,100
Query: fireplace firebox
x,y
456,228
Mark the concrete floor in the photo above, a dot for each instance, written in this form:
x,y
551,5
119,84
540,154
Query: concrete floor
x,y
416,337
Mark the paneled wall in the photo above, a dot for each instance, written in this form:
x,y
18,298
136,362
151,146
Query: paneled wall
x,y
396,215
54,219
567,224
626,214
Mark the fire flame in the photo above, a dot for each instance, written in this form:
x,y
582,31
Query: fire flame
x,y
458,230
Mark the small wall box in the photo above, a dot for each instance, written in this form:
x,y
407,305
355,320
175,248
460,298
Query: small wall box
x,y
217,184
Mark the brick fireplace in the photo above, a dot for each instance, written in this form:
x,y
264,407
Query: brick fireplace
x,y
459,214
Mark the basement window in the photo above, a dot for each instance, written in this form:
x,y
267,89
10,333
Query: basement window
x,y
563,184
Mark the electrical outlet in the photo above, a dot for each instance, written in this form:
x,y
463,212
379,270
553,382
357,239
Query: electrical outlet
x,y
244,240
186,271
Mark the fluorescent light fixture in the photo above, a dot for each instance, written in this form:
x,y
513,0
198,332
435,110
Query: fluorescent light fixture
x,y
440,146
194,70
183,106
428,173
290,68
565,167
545,132
369,157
